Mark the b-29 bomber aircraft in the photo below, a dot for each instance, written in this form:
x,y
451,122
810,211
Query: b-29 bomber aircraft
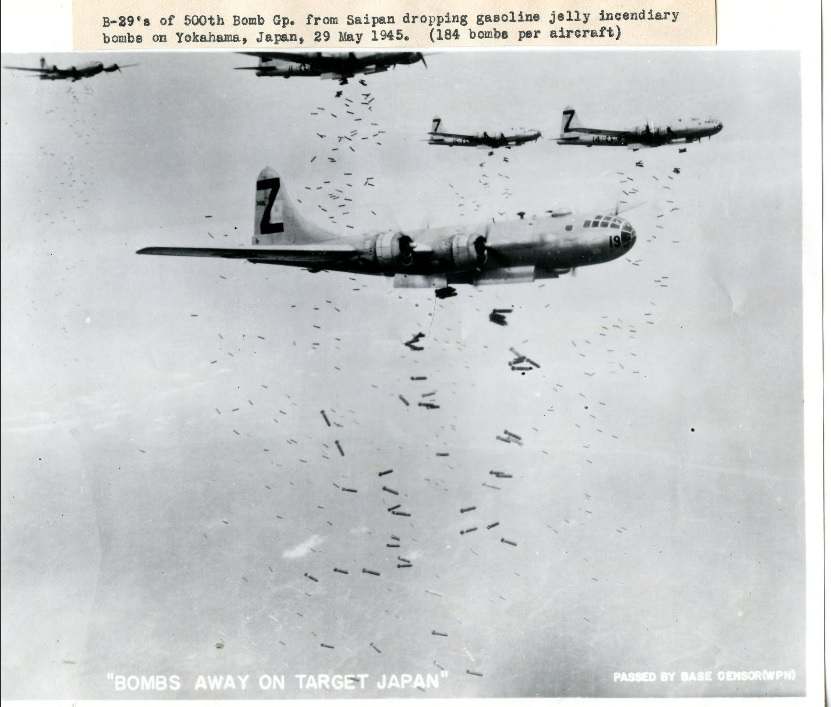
x,y
479,140
692,130
73,73
336,65
521,250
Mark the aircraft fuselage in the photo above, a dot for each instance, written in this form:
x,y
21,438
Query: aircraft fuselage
x,y
523,249
646,136
489,141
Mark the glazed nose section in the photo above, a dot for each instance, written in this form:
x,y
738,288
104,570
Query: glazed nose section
x,y
628,235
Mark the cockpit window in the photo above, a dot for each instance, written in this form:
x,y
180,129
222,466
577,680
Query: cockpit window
x,y
595,223
605,222
587,223
568,227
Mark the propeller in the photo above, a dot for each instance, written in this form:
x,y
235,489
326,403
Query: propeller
x,y
621,209
422,59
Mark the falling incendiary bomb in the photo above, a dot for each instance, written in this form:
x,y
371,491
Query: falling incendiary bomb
x,y
314,579
343,488
492,525
392,509
326,419
418,378
411,343
439,633
497,316
468,530
401,513
389,490
377,650
340,449
467,509
339,570
472,672
512,435
404,400
326,645
429,406
442,454
507,542
517,364
372,572
385,472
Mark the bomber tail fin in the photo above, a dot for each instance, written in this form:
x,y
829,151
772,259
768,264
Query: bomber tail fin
x,y
569,122
277,220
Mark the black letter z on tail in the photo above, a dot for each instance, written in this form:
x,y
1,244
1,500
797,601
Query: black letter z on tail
x,y
273,185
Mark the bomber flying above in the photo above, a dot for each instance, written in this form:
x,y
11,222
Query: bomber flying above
x,y
692,130
334,65
479,140
493,252
73,73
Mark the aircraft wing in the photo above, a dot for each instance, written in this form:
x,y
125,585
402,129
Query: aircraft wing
x,y
30,68
519,139
302,255
315,60
378,59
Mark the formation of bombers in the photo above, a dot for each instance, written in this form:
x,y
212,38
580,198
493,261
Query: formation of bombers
x,y
510,251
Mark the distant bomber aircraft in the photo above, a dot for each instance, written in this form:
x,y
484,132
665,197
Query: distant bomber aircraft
x,y
482,140
572,133
73,73
521,250
340,66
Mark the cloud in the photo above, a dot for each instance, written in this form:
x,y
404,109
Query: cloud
x,y
303,548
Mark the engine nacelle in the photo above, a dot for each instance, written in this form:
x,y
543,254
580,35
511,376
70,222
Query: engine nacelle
x,y
394,250
463,251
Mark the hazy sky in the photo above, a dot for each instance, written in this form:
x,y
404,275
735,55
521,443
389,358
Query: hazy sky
x,y
169,481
